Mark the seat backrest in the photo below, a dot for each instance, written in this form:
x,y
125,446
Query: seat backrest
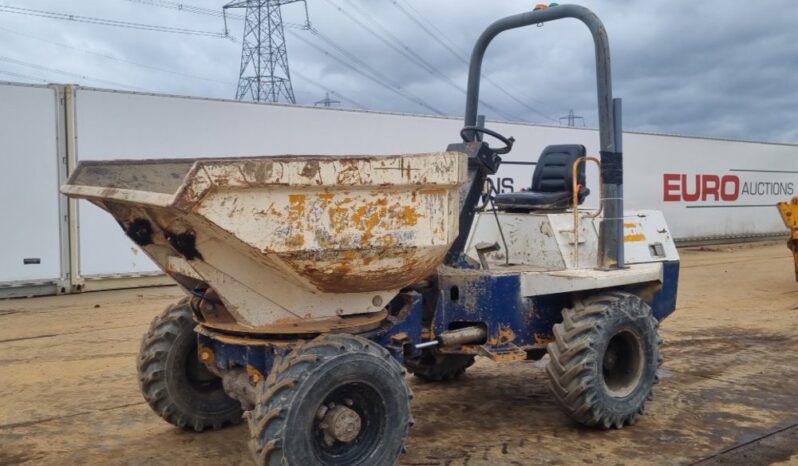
x,y
554,170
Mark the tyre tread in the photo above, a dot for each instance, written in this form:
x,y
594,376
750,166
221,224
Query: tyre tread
x,y
151,369
274,397
570,367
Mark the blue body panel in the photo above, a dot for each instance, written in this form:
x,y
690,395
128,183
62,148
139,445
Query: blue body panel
x,y
664,301
229,355
462,298
496,302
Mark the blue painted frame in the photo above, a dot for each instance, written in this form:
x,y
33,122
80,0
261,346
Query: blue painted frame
x,y
460,298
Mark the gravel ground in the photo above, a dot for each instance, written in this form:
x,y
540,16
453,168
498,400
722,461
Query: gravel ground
x,y
728,395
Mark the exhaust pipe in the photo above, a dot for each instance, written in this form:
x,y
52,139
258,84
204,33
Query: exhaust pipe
x,y
459,337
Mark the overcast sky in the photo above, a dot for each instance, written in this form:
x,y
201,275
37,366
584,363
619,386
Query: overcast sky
x,y
722,68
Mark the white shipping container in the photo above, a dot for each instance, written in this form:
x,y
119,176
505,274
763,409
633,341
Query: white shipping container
x,y
707,188
30,239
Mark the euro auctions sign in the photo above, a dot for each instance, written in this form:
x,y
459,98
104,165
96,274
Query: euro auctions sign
x,y
745,188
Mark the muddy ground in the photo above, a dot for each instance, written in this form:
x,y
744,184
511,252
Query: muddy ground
x,y
729,393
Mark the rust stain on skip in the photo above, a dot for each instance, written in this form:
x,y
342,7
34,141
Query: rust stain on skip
x,y
350,274
237,333
296,214
296,207
362,245
361,222
368,216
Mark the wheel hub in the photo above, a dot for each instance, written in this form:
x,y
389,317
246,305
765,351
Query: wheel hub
x,y
339,423
610,359
622,364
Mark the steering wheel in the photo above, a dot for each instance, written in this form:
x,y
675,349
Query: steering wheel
x,y
508,142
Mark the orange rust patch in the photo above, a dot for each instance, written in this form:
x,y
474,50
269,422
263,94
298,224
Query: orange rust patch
x,y
296,206
338,218
410,215
368,216
505,335
234,332
296,241
543,338
254,374
345,271
433,191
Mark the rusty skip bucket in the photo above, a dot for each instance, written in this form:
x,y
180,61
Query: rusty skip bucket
x,y
282,239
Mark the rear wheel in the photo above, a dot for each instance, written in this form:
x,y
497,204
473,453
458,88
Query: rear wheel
x,y
336,400
435,366
604,359
177,386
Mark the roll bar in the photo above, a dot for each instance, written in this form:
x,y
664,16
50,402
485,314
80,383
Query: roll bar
x,y
610,134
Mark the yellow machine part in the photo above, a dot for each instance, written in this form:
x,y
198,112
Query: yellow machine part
x,y
789,213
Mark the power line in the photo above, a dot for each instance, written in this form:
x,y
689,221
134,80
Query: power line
x,y
377,77
327,89
24,76
441,39
404,50
455,48
186,8
111,57
67,73
343,51
108,22
423,27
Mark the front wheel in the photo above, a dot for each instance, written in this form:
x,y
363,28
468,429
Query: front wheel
x,y
604,359
336,400
177,386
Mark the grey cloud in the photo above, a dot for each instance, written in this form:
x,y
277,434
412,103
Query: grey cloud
x,y
714,68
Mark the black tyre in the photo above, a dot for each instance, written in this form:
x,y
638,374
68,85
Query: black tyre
x,y
435,366
177,386
336,400
604,359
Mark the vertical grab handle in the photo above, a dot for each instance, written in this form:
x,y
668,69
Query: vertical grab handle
x,y
575,196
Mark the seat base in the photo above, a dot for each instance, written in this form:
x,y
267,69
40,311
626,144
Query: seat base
x,y
527,201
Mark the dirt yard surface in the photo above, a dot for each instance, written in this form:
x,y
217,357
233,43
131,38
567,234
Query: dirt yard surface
x,y
728,394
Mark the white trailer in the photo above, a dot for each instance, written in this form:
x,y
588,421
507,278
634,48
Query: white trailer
x,y
34,250
708,189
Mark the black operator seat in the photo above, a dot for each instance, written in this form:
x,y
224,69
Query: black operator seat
x,y
552,182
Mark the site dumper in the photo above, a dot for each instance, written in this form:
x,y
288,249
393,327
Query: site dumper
x,y
789,213
314,283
